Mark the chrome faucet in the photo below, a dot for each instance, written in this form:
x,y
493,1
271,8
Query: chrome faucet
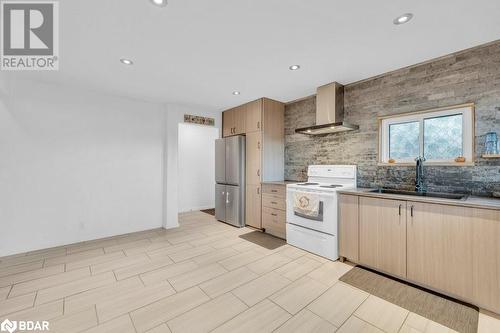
x,y
419,179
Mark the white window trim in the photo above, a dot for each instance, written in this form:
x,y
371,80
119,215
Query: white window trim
x,y
467,112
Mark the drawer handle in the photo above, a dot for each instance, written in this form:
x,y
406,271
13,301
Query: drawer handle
x,y
274,202
274,214
274,191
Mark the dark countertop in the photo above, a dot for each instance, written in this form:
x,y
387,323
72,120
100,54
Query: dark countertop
x,y
471,201
281,182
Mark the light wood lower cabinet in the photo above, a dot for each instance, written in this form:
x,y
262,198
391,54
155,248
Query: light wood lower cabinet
x,y
253,209
448,248
439,252
274,209
349,227
273,221
273,201
486,258
382,235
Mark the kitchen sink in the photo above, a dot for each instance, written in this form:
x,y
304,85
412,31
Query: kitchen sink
x,y
455,196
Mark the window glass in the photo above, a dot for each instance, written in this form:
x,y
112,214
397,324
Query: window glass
x,y
443,137
404,141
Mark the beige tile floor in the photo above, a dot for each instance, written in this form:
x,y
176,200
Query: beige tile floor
x,y
200,277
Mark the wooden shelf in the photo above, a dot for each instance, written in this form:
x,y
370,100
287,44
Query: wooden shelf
x,y
491,156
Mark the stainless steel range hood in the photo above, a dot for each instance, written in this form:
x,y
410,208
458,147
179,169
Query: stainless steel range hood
x,y
329,112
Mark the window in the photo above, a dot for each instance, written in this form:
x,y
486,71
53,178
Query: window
x,y
439,135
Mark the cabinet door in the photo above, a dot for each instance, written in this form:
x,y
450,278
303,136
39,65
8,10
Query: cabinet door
x,y
228,123
239,120
253,212
253,114
349,227
486,258
382,235
273,220
440,247
253,155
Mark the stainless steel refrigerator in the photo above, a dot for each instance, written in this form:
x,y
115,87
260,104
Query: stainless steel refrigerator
x,y
230,180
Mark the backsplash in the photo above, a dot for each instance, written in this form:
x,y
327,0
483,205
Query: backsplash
x,y
468,76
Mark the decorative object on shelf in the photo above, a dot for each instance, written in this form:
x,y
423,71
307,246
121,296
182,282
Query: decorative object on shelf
x,y
391,160
491,143
460,159
199,120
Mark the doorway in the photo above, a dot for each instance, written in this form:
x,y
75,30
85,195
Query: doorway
x,y
196,167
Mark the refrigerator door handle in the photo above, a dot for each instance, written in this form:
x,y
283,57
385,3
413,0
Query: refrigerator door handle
x,y
227,197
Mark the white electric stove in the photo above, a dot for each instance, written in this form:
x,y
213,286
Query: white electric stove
x,y
319,234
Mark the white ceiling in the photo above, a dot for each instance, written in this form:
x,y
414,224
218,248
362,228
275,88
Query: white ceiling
x,y
198,51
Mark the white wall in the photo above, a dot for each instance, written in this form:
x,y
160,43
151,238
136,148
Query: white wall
x,y
175,116
196,166
76,165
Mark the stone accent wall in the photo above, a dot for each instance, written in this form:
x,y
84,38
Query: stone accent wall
x,y
468,76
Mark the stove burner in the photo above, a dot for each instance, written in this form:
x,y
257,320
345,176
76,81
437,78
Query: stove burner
x,y
308,184
331,186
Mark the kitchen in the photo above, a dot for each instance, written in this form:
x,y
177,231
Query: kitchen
x,y
401,220
253,166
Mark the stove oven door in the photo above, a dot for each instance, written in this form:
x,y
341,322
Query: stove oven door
x,y
327,219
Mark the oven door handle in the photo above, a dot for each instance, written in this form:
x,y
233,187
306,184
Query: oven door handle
x,y
322,194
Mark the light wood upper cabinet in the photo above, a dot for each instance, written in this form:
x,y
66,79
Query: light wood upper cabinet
x,y
382,235
486,258
253,211
239,120
349,227
233,121
440,247
228,123
253,111
253,158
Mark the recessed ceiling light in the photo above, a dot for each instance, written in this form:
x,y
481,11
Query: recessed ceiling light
x,y
236,93
294,67
126,61
159,3
403,19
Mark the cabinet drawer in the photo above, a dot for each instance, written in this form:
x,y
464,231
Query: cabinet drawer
x,y
273,220
273,189
272,201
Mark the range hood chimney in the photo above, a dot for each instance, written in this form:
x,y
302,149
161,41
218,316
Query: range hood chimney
x,y
329,112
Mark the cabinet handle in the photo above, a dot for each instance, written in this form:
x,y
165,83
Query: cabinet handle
x,y
258,172
258,145
274,214
399,209
411,211
258,125
274,191
258,190
274,202
227,197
